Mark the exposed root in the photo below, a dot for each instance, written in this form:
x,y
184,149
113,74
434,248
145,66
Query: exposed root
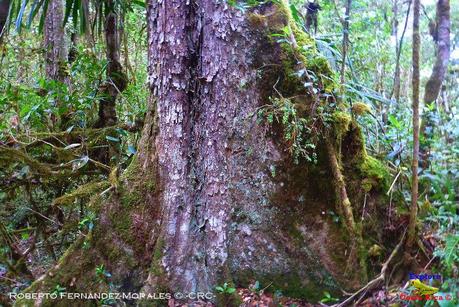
x,y
376,282
344,203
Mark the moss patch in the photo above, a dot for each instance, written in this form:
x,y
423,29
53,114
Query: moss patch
x,y
341,123
374,172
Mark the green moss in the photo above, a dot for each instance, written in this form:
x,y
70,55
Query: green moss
x,y
74,268
360,108
130,198
298,51
9,155
156,268
136,179
122,222
306,51
341,123
374,173
257,20
82,191
132,171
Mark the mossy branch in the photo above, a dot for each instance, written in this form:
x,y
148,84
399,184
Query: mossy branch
x,y
9,154
82,191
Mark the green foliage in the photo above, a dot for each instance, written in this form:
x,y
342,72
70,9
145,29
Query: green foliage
x,y
449,254
50,162
225,289
87,222
73,10
296,130
328,298
58,289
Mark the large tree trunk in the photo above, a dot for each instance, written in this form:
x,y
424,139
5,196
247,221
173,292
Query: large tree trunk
x,y
213,195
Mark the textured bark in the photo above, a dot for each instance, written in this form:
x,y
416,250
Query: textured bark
x,y
199,55
213,196
415,98
116,79
441,37
54,44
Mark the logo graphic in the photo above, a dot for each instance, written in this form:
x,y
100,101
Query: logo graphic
x,y
422,289
419,291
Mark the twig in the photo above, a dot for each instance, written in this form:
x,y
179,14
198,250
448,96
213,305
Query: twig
x,y
393,183
45,217
430,261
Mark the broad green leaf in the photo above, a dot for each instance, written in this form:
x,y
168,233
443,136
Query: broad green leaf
x,y
230,290
139,3
33,11
295,14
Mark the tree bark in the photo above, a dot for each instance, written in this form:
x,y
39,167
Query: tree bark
x,y
213,195
442,40
415,161
116,79
441,36
54,43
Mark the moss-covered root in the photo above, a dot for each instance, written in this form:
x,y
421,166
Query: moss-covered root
x,y
344,203
345,209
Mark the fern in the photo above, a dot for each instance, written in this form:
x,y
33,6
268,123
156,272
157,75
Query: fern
x,y
449,255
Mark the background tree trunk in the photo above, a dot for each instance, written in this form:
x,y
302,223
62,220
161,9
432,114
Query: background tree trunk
x,y
346,19
441,36
116,79
414,166
398,50
54,43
